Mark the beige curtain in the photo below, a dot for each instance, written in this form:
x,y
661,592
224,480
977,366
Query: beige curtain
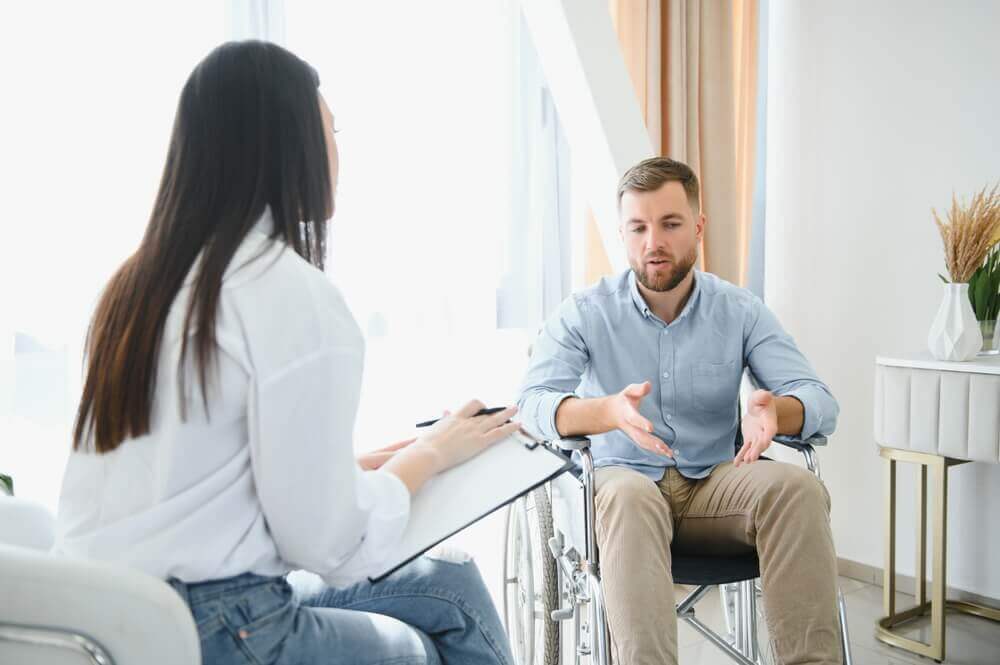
x,y
710,99
693,64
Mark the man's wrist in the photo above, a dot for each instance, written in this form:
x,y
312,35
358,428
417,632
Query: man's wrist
x,y
790,415
585,417
609,415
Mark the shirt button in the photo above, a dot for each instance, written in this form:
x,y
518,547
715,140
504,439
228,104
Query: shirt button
x,y
666,375
666,332
670,416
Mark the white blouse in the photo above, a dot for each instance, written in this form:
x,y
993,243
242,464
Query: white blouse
x,y
266,481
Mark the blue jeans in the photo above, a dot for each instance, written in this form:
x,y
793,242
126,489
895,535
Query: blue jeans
x,y
428,612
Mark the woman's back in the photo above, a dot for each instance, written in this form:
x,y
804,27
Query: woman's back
x,y
182,500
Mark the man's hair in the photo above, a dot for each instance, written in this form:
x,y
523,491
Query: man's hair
x,y
651,174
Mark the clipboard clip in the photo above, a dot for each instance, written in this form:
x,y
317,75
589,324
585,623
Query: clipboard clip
x,y
529,440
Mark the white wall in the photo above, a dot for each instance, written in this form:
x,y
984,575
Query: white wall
x,y
877,111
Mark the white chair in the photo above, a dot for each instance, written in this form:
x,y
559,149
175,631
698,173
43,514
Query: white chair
x,y
25,523
58,610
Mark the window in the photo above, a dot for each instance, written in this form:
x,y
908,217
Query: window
x,y
91,93
448,148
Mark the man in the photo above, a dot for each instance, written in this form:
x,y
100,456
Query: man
x,y
648,364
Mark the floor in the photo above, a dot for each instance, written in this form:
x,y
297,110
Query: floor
x,y
969,640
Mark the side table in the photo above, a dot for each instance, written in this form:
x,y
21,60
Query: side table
x,y
938,415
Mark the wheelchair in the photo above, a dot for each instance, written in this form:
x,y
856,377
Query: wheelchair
x,y
553,605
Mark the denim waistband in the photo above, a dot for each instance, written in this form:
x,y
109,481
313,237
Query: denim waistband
x,y
196,592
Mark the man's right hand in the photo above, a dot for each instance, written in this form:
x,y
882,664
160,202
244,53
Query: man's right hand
x,y
625,415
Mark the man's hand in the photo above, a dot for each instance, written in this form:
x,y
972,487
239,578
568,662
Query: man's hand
x,y
373,460
760,425
626,417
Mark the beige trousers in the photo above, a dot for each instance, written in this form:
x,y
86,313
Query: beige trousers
x,y
781,509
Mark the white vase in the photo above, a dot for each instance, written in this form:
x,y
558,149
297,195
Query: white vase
x,y
955,334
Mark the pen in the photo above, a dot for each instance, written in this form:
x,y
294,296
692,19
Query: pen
x,y
481,412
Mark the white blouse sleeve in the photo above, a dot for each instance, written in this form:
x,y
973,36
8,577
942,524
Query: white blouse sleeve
x,y
325,514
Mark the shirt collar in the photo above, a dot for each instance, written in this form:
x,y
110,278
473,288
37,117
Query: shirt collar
x,y
265,224
247,249
637,299
643,307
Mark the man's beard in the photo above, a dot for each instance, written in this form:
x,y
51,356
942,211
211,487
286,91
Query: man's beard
x,y
668,279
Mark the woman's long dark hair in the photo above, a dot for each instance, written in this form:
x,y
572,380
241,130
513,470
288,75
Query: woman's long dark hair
x,y
248,134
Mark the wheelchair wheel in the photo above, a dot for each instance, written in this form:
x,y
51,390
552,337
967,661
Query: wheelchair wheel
x,y
765,647
530,581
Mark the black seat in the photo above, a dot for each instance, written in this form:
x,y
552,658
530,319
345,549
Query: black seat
x,y
702,570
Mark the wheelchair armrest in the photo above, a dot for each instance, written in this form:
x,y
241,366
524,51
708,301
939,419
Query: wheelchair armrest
x,y
805,447
798,444
572,443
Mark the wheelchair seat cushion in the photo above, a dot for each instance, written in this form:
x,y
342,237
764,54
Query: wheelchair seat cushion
x,y
701,570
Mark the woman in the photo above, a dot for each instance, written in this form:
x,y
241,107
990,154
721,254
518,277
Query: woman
x,y
212,445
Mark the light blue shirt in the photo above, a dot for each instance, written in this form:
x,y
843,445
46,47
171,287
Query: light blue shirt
x,y
606,337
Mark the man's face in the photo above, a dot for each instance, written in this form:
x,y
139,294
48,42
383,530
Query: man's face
x,y
661,234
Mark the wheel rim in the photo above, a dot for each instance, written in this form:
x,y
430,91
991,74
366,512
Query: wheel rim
x,y
519,581
526,583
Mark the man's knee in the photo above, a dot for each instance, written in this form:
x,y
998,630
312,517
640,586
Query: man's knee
x,y
800,488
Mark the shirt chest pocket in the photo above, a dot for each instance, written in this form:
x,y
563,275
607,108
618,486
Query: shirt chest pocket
x,y
715,386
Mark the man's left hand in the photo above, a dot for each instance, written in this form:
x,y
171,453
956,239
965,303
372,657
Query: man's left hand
x,y
760,425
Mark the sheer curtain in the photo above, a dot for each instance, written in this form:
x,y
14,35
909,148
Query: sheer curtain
x,y
537,272
90,94
448,198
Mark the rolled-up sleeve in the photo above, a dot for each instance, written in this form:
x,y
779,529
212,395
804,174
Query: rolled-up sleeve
x,y
559,358
779,366
325,514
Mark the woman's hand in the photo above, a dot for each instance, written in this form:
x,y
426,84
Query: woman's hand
x,y
462,435
374,459
452,440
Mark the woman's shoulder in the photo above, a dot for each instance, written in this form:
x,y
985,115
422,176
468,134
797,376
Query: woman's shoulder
x,y
284,301
269,268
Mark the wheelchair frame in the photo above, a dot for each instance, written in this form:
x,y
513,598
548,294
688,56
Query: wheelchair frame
x,y
579,583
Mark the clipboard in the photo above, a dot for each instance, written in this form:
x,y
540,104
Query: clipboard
x,y
463,495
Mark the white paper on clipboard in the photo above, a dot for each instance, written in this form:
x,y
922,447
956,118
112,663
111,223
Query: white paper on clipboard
x,y
464,494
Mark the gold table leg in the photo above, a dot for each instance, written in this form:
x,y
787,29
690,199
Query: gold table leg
x,y
938,466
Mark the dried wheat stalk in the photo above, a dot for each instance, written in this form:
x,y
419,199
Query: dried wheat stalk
x,y
969,232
